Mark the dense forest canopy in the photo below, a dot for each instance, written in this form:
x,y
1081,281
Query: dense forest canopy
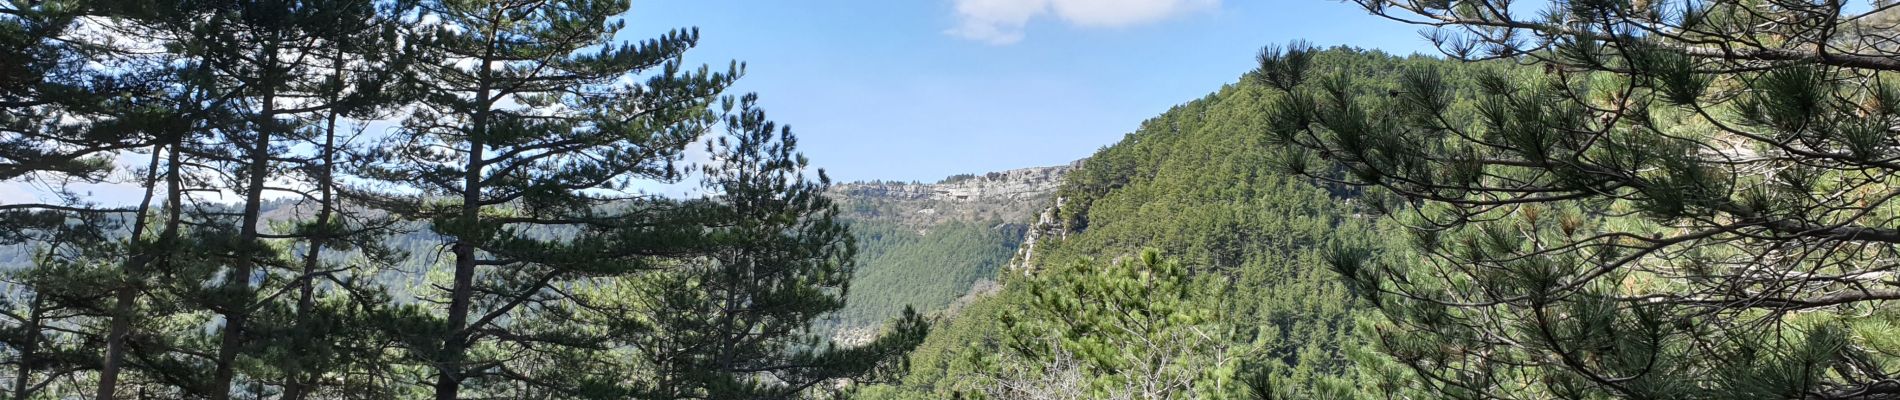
x,y
903,268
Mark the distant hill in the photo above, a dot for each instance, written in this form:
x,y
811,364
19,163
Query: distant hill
x,y
920,244
927,244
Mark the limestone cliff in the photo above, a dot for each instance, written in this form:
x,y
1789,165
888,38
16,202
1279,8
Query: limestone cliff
x,y
1013,196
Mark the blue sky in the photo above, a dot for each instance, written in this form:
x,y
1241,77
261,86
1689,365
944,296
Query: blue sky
x,y
922,89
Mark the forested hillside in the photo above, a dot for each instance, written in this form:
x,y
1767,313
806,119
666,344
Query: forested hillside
x,y
1188,264
925,245
1671,200
926,270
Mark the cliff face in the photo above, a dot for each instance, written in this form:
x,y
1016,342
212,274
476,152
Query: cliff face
x,y
1015,184
1015,196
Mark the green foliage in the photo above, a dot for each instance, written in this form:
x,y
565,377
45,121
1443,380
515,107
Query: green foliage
x,y
1138,328
920,247
957,178
1693,209
900,267
1199,183
494,244
525,124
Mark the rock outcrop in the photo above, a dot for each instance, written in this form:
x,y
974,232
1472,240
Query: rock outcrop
x,y
1046,224
1015,184
1014,196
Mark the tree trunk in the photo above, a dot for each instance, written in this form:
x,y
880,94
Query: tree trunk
x,y
244,266
449,380
299,379
29,349
127,292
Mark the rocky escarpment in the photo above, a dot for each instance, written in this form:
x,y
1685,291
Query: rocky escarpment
x,y
1013,196
1015,184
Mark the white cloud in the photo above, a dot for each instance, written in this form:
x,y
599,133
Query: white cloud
x,y
1001,22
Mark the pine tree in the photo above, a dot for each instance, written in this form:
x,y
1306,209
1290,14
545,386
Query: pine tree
x,y
63,120
249,80
538,119
1638,199
270,57
353,72
325,328
529,131
1138,328
736,322
56,293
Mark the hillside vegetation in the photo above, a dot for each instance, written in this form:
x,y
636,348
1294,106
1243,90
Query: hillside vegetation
x,y
925,245
1188,265
359,199
900,267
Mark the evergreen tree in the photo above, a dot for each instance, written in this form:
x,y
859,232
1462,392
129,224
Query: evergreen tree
x,y
71,101
42,303
244,81
1641,199
736,323
529,131
536,118
273,60
347,69
1136,328
323,327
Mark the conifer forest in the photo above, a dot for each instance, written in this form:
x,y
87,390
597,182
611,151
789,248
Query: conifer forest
x,y
1034,199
